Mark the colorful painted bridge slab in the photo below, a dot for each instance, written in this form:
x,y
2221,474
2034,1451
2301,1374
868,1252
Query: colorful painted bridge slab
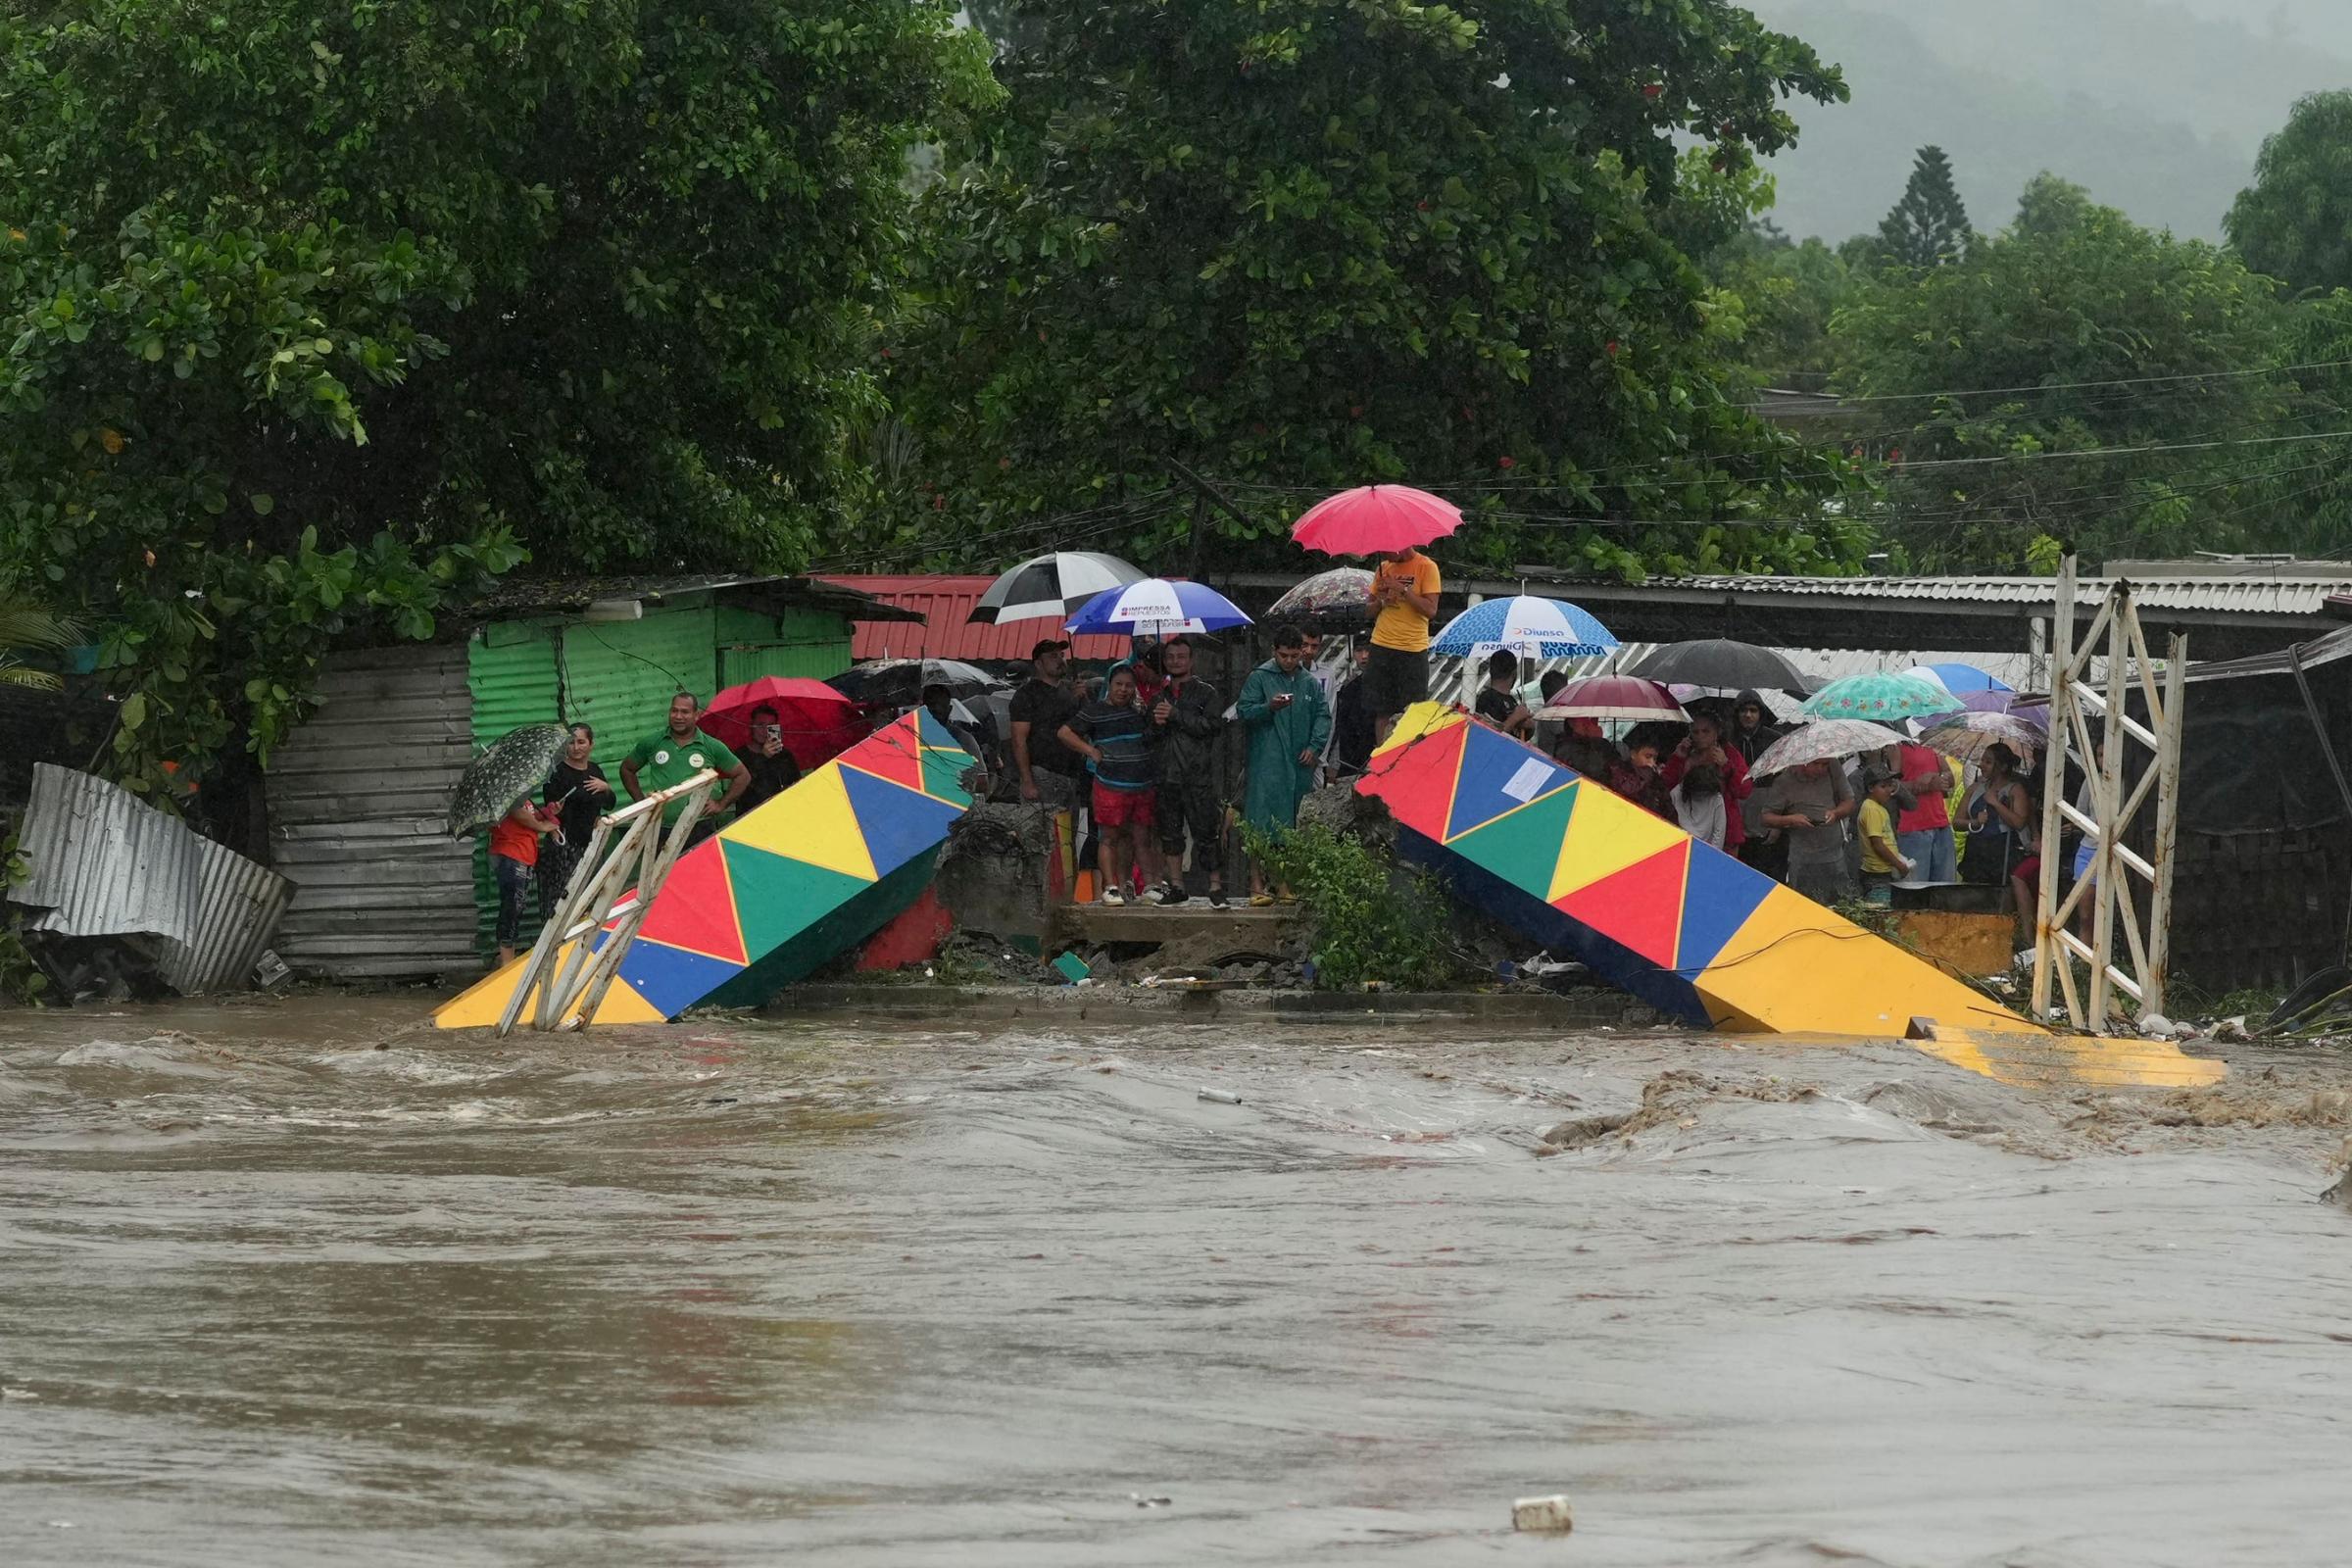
x,y
1678,924
781,890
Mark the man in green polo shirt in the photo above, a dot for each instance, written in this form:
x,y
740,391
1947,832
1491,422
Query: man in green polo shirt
x,y
676,755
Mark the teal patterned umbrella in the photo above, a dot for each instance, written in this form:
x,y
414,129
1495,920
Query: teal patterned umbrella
x,y
513,766
1881,698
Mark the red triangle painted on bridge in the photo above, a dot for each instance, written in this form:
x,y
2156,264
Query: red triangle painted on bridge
x,y
1640,908
696,907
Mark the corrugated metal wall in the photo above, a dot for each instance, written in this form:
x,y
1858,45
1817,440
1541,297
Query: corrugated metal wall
x,y
620,676
810,643
358,797
101,862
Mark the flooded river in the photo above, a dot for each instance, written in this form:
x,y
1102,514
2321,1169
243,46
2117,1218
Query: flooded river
x,y
291,1284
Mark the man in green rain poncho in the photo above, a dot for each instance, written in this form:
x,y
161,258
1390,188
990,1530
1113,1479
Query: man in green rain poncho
x,y
1284,713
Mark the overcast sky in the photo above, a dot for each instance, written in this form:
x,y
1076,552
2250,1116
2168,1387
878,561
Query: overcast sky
x,y
2158,106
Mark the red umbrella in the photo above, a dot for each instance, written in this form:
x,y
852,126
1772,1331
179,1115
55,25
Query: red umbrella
x,y
1375,518
1618,697
817,722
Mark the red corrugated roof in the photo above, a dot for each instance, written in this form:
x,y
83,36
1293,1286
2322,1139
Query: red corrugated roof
x,y
947,632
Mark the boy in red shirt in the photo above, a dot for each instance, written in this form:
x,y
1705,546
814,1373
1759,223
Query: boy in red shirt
x,y
514,853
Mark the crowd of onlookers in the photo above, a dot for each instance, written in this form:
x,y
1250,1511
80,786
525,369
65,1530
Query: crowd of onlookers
x,y
1138,751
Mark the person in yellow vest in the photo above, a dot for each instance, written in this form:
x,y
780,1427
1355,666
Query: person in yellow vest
x,y
1404,597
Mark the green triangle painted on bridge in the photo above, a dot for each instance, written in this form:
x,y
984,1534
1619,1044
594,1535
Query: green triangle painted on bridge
x,y
1523,845
778,897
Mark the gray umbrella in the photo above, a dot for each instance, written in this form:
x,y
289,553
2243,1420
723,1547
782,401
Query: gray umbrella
x,y
1720,663
517,764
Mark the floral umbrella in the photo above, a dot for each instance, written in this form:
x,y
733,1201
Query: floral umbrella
x,y
1821,741
1881,698
1969,736
1344,593
516,764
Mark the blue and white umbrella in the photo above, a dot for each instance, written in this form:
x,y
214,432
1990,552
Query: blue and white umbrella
x,y
1158,608
1548,629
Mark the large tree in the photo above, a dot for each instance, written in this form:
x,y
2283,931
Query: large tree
x,y
2081,378
1300,244
1929,226
310,315
2295,223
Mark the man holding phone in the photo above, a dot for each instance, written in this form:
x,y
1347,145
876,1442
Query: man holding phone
x,y
1806,803
773,766
1284,712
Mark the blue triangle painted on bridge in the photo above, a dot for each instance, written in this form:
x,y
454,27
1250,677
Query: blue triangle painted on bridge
x,y
899,823
1719,894
673,979
1490,760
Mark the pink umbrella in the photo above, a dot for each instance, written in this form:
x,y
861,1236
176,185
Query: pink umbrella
x,y
1627,698
1375,518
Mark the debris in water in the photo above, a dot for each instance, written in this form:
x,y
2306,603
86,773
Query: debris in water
x,y
1142,1501
1221,1097
1548,1514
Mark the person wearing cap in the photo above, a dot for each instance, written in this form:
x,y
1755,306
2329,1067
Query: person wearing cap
x,y
1047,770
1883,863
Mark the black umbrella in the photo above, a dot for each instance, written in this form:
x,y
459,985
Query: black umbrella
x,y
1721,664
515,766
900,682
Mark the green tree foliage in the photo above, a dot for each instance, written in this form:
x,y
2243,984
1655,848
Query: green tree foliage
x,y
1929,226
1789,293
1298,246
2295,223
2090,334
311,316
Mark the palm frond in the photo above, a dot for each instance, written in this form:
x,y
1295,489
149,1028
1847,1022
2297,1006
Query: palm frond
x,y
26,625
21,678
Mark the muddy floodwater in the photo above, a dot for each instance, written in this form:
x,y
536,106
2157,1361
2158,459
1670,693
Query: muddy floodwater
x,y
299,1283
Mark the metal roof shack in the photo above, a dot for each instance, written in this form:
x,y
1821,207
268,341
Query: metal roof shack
x,y
602,597
944,605
2228,608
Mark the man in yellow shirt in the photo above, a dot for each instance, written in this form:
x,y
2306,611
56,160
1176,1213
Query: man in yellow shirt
x,y
1404,597
1882,862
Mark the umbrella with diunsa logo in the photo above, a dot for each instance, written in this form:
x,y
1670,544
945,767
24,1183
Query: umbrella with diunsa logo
x,y
516,764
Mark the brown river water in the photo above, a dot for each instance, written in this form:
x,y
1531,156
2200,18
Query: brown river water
x,y
299,1283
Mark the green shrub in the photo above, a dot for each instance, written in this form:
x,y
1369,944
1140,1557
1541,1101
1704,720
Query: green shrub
x,y
1367,922
20,979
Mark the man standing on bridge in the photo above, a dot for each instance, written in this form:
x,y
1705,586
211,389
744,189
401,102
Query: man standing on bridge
x,y
1189,715
675,755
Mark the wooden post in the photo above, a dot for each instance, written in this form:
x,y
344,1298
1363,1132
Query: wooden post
x,y
2047,950
2168,728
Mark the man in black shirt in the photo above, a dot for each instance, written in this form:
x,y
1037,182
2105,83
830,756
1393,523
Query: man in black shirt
x,y
773,768
1500,705
1047,771
1188,717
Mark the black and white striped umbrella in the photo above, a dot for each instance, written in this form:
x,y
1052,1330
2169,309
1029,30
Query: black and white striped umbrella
x,y
1052,587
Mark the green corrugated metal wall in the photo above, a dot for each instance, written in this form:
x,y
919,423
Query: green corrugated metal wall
x,y
813,643
619,677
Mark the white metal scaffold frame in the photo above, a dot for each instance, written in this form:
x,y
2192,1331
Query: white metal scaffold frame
x,y
571,982
2074,704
